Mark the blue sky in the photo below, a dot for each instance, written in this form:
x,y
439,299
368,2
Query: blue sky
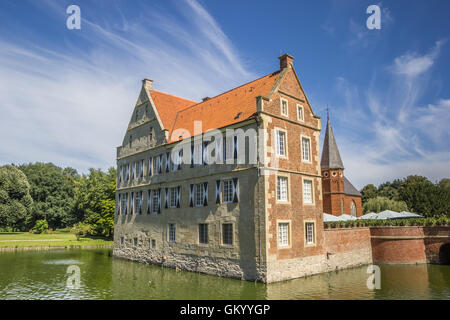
x,y
66,95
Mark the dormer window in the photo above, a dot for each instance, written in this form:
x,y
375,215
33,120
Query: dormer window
x,y
284,107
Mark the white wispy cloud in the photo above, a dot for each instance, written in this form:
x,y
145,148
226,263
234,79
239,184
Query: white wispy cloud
x,y
400,136
71,105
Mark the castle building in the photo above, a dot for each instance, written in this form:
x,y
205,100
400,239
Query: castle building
x,y
339,195
230,186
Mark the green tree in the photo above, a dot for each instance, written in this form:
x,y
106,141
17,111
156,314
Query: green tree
x,y
15,198
95,200
368,192
52,189
445,184
424,197
379,204
390,189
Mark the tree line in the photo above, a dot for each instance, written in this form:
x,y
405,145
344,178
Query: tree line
x,y
414,193
36,192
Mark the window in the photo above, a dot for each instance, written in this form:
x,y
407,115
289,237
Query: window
x,y
284,107
156,165
138,202
135,241
228,190
150,134
283,234
155,203
342,206
172,232
133,170
309,234
130,139
353,208
199,194
227,234
150,167
140,169
300,115
173,197
203,233
307,192
306,149
124,200
132,203
282,189
122,240
153,243
120,174
281,143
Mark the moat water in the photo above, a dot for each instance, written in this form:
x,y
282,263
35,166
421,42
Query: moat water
x,y
43,275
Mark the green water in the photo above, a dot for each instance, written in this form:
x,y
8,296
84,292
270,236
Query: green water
x,y
42,275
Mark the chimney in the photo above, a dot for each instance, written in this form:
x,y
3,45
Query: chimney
x,y
147,84
285,60
205,99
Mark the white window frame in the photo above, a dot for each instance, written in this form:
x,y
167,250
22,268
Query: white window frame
x,y
281,107
302,118
287,244
172,232
277,143
303,137
312,191
228,191
173,194
306,224
155,200
279,191
198,194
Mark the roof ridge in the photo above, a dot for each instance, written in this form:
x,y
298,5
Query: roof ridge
x,y
272,73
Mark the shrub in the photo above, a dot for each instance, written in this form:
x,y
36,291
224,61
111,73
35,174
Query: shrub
x,y
81,229
40,226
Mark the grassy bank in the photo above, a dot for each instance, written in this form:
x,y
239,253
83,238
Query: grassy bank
x,y
57,239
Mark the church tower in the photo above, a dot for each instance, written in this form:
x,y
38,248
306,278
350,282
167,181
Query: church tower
x,y
339,195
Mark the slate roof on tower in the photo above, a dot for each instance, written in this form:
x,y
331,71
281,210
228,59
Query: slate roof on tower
x,y
331,159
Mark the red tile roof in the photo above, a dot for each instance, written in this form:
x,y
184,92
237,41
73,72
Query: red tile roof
x,y
168,105
215,113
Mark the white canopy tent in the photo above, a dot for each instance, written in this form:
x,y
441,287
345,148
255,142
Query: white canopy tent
x,y
329,217
370,215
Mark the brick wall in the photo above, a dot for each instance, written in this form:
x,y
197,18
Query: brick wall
x,y
408,244
345,248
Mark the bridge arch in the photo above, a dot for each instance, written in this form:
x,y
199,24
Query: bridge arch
x,y
444,254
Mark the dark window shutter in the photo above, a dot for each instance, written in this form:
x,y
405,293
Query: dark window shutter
x,y
235,190
178,196
180,159
191,196
159,200
167,161
160,163
218,191
166,196
235,147
205,194
192,156
149,201
224,145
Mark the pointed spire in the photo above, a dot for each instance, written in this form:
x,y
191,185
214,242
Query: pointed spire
x,y
331,159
